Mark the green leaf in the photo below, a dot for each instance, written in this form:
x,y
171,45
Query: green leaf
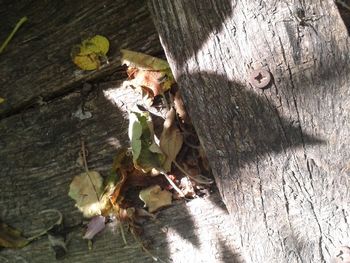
x,y
8,39
11,237
146,154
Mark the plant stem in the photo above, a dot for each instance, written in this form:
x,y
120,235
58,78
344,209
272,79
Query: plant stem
x,y
202,179
122,233
44,232
342,3
83,152
8,39
173,184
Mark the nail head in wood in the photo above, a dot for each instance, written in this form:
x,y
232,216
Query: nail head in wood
x,y
260,78
342,255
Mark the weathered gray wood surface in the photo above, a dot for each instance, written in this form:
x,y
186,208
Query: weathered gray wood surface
x,y
281,155
37,63
39,149
39,145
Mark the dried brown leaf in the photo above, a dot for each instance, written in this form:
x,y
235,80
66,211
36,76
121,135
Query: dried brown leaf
x,y
155,198
11,237
171,140
180,107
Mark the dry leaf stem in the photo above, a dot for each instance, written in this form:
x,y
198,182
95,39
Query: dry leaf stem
x,y
145,249
199,179
8,39
44,232
177,189
83,152
342,3
122,233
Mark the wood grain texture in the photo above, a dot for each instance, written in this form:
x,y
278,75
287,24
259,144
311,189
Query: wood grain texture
x,y
37,63
280,156
40,132
39,149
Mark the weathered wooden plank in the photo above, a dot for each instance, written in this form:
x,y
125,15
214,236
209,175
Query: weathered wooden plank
x,y
38,156
37,62
279,155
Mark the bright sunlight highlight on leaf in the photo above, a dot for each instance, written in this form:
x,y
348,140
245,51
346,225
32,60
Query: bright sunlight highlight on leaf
x,y
154,198
146,154
90,53
85,190
152,76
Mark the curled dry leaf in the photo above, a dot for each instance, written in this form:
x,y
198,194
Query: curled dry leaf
x,y
11,237
85,189
96,225
152,76
89,54
115,181
155,198
149,81
180,107
114,195
171,140
142,61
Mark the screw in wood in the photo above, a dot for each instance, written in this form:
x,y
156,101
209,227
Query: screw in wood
x,y
342,255
260,78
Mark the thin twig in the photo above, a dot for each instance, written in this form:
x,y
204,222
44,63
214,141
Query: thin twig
x,y
44,232
342,3
167,106
87,168
173,184
201,180
8,39
145,249
122,233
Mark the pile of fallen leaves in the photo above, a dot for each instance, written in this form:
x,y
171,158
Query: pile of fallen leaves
x,y
165,161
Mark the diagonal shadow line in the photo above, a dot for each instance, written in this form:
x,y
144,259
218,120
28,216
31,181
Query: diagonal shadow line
x,y
246,127
227,255
250,127
211,15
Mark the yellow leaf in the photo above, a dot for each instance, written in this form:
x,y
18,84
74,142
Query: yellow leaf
x,y
2,100
11,237
89,53
85,189
171,140
87,62
98,45
142,61
155,198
